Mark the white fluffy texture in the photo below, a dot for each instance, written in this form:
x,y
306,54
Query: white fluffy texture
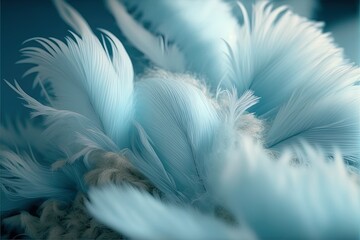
x,y
139,215
81,71
280,200
233,110
59,220
113,168
197,29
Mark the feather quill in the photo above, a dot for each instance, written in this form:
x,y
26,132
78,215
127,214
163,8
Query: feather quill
x,y
180,121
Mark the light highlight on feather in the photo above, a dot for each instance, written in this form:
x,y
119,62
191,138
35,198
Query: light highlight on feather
x,y
82,71
316,202
140,215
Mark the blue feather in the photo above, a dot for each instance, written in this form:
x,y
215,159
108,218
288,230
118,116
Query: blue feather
x,y
139,215
306,89
81,71
180,121
24,180
281,200
327,122
156,48
273,60
205,54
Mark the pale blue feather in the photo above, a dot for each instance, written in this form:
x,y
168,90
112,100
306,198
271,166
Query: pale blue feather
x,y
81,71
273,60
282,200
205,53
139,215
180,121
156,48
25,181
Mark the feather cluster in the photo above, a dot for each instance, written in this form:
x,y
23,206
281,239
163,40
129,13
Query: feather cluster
x,y
243,125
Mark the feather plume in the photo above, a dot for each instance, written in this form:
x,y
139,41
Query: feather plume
x,y
320,201
273,60
180,121
17,136
205,54
327,122
306,89
139,215
156,48
82,71
24,181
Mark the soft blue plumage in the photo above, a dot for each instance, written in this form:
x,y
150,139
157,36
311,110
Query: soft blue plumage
x,y
205,54
140,215
282,200
245,125
171,120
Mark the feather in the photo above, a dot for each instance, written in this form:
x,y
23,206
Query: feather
x,y
157,49
306,88
24,180
139,215
180,121
327,122
204,53
143,156
305,8
81,71
73,122
320,201
18,136
273,60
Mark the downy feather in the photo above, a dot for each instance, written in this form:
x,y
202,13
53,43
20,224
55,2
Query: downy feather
x,y
139,215
305,86
328,122
273,60
17,136
82,71
156,48
282,200
24,180
179,121
194,28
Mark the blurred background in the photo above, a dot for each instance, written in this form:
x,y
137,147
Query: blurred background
x,y
24,19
